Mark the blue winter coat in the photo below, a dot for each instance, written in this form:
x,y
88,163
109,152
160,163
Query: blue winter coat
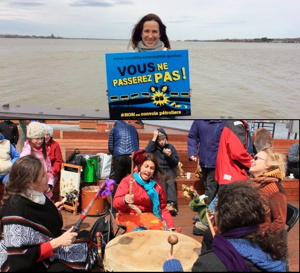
x,y
123,139
203,141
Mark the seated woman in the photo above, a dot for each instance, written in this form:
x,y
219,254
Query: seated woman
x,y
31,236
268,168
140,198
240,245
54,152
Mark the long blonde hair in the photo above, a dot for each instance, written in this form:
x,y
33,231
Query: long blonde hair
x,y
276,160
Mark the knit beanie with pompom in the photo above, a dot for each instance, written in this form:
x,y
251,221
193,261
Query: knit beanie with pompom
x,y
35,130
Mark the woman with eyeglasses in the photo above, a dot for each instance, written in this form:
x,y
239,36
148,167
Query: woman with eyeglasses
x,y
267,169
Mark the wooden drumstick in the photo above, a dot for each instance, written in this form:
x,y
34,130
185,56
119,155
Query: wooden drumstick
x,y
133,206
172,240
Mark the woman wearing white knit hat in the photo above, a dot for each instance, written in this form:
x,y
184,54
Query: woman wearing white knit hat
x,y
35,145
53,151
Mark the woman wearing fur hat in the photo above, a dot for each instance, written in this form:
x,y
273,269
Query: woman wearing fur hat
x,y
35,145
167,157
140,197
54,152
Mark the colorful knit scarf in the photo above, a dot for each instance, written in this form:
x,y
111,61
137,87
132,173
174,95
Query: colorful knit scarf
x,y
274,173
149,188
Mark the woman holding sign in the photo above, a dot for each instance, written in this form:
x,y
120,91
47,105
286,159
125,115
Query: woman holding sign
x,y
149,34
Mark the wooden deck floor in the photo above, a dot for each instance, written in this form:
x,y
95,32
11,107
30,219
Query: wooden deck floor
x,y
184,220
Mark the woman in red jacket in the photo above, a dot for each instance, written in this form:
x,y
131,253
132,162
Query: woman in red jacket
x,y
140,198
53,151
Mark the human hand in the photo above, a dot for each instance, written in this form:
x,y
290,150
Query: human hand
x,y
129,198
59,205
49,189
167,151
155,134
193,158
169,256
66,239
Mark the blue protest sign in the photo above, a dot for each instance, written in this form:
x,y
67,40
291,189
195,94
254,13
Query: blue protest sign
x,y
148,84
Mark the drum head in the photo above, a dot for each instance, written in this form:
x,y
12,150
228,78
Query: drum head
x,y
147,251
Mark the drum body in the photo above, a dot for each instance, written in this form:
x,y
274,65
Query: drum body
x,y
146,251
87,194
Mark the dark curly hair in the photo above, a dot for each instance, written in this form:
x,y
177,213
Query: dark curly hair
x,y
136,34
240,204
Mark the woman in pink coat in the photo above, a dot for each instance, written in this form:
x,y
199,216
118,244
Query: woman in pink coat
x,y
35,145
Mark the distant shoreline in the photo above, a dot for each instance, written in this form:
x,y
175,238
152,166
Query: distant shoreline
x,y
255,40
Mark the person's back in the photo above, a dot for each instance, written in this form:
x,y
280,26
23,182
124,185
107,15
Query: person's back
x,y
10,131
203,143
233,159
123,141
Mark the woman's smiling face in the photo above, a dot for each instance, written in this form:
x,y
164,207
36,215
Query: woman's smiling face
x,y
259,164
150,33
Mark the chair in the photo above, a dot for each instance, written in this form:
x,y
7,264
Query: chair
x,y
292,216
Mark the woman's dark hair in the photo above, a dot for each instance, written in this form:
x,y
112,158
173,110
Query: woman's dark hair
x,y
136,34
240,204
140,156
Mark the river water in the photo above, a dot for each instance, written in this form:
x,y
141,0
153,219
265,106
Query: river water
x,y
239,80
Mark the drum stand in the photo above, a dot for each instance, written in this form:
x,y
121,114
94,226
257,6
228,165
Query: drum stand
x,y
72,206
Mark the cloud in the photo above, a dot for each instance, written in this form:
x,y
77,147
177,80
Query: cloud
x,y
26,4
189,19
100,3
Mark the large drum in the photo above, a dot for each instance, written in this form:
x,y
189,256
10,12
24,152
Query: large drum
x,y
146,251
87,194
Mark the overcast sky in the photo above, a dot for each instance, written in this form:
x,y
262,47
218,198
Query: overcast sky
x,y
185,19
